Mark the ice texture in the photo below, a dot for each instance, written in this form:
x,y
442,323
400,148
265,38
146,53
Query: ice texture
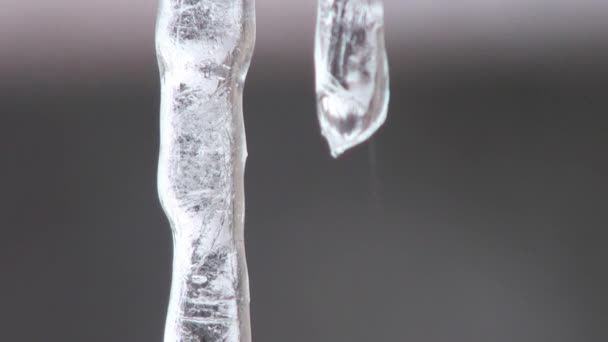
x,y
351,71
204,48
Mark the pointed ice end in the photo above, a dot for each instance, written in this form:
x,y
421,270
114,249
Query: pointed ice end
x,y
346,123
341,141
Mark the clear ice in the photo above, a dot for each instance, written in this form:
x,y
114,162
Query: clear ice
x,y
204,48
351,71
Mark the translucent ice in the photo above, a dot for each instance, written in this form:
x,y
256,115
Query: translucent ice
x,y
351,71
204,48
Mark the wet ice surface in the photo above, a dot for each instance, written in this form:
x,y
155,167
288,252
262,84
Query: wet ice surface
x,y
351,71
204,48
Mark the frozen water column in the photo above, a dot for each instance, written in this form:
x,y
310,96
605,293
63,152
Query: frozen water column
x,y
351,71
204,48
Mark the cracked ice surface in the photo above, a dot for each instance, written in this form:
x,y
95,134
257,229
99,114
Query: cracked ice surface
x,y
351,71
204,48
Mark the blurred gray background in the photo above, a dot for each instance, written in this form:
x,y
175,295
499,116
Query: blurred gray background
x,y
477,214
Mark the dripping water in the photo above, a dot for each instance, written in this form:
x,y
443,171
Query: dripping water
x,y
375,184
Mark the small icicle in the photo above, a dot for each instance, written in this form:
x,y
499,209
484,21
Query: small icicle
x,y
352,78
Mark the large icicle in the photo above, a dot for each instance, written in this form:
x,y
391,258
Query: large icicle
x,y
204,48
351,71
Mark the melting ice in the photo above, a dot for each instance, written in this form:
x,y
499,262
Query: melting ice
x,y
351,71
